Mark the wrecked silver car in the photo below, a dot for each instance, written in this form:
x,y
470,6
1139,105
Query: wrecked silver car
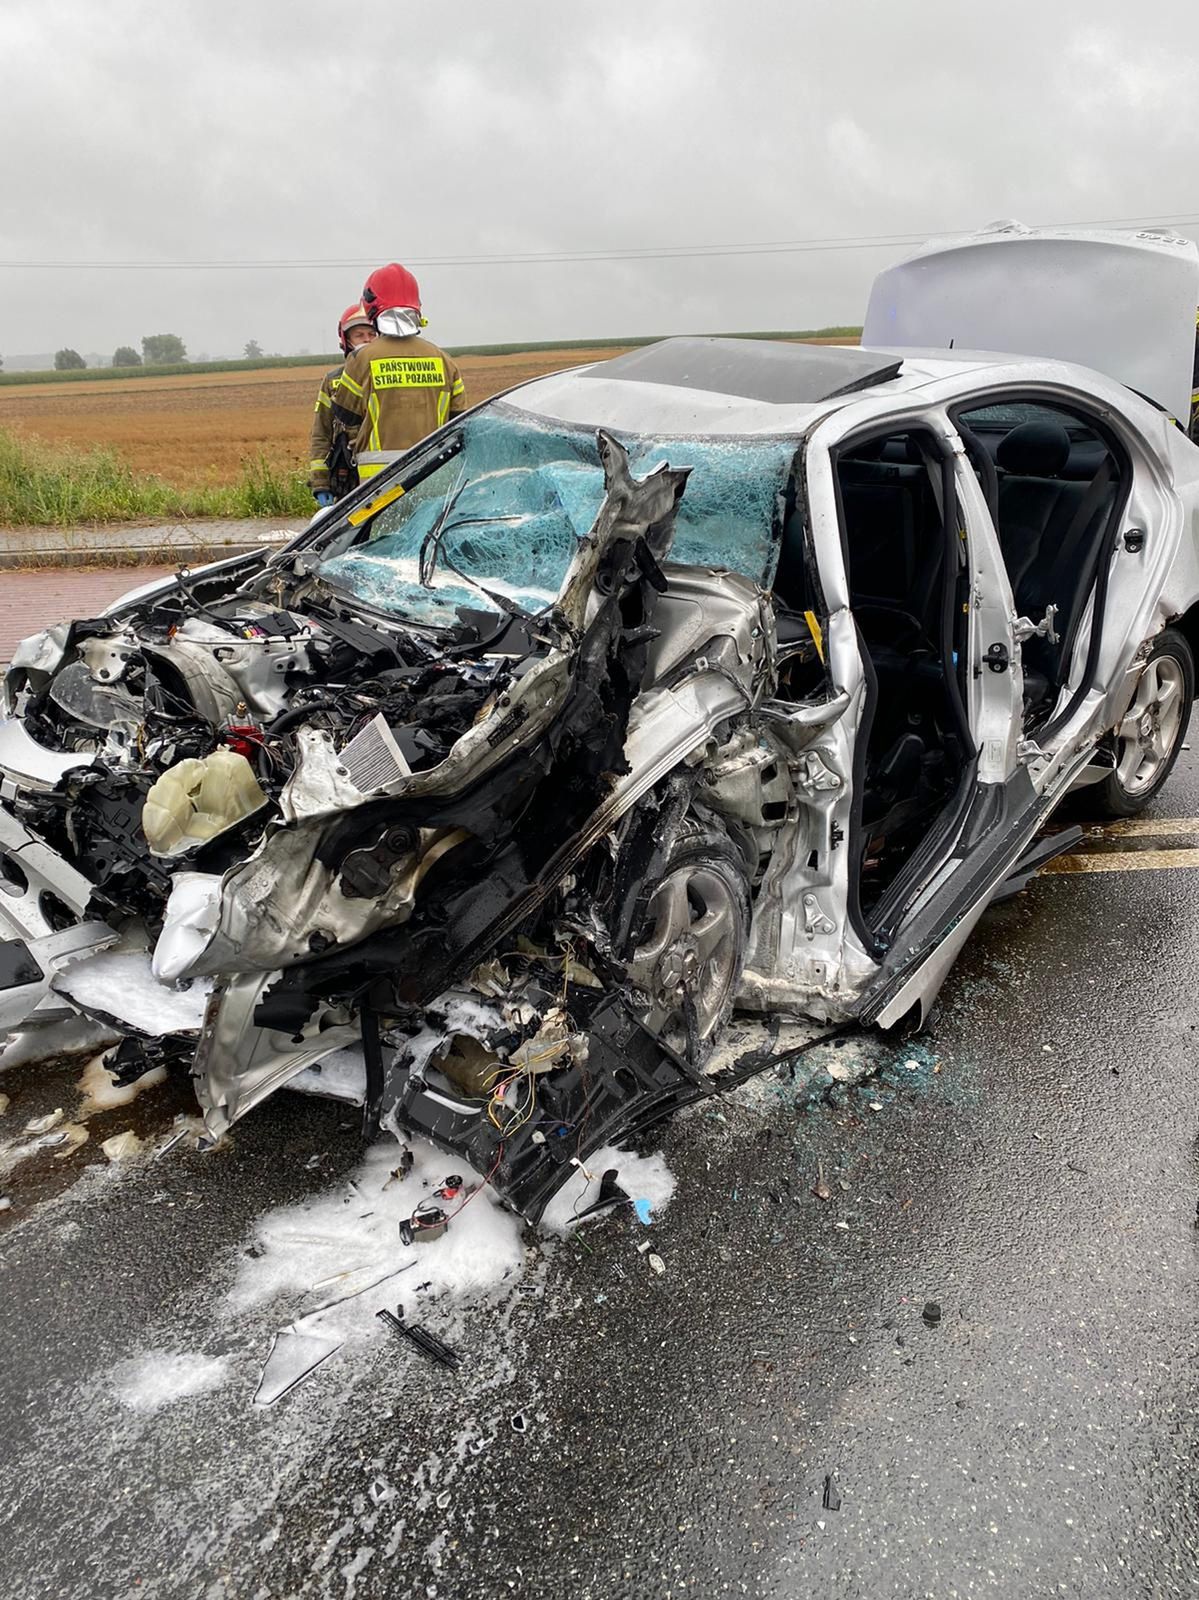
x,y
724,674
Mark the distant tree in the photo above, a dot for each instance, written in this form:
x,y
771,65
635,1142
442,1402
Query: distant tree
x,y
163,349
126,356
1,363
68,361
253,350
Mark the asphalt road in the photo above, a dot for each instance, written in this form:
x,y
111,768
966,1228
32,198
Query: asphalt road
x,y
1035,1177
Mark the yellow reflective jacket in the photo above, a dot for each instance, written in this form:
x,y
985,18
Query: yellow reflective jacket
x,y
393,392
320,440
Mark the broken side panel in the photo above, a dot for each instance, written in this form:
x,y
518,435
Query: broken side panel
x,y
622,1081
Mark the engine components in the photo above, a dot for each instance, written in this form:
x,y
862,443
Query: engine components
x,y
197,799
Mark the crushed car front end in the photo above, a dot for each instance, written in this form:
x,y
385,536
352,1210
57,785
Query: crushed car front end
x,y
406,786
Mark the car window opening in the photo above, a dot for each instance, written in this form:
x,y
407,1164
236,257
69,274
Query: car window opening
x,y
1057,489
800,612
907,584
493,518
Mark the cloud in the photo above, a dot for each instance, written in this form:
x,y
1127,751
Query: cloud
x,y
286,130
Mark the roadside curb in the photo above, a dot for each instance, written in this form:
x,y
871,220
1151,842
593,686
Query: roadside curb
x,y
127,545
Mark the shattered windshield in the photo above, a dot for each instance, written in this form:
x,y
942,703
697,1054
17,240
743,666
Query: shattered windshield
x,y
496,525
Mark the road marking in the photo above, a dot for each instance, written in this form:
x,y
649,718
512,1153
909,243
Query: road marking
x,y
1126,861
1151,827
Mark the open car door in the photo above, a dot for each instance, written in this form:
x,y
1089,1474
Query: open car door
x,y
920,636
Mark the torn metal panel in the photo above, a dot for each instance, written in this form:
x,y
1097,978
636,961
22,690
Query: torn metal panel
x,y
518,772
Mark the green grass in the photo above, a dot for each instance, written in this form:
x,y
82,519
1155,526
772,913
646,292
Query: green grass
x,y
175,369
50,486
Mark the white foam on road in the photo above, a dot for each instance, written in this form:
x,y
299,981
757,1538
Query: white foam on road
x,y
120,984
70,1036
336,1243
340,1076
644,1178
161,1377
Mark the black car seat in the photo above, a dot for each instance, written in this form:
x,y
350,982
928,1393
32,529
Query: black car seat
x,y
1049,532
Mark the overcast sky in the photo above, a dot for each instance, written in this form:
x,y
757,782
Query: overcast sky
x,y
249,130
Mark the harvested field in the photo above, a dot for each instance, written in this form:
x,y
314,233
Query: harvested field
x,y
193,430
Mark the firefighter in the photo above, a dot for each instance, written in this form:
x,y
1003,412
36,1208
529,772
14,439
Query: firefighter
x,y
330,454
401,387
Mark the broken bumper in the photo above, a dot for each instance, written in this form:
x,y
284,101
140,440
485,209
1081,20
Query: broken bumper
x,y
38,892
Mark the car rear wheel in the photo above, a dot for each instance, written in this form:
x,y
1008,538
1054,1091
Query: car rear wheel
x,y
688,940
1150,736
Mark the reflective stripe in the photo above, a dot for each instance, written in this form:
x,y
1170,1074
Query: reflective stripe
x,y
366,512
817,633
368,471
346,382
459,388
319,465
443,407
372,411
407,372
322,399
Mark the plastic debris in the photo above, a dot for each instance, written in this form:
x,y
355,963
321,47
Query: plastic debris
x,y
44,1124
398,1174
911,1066
657,1263
122,1146
295,1353
931,1313
381,1492
5,1202
4,1104
67,1139
610,1194
876,1105
520,1423
820,1188
427,1222
831,1500
427,1343
644,1211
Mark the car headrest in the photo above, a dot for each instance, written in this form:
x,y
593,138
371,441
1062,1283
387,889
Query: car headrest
x,y
870,450
1034,450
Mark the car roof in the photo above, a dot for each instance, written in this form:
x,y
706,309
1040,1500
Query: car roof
x,y
721,386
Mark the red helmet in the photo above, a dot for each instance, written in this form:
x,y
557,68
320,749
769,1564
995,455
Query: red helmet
x,y
352,317
390,288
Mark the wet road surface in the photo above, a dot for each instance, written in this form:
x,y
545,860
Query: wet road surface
x,y
1034,1174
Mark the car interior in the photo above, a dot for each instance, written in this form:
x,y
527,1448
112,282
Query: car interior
x,y
914,745
1054,488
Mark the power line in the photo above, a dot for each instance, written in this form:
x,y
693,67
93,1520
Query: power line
x,y
571,257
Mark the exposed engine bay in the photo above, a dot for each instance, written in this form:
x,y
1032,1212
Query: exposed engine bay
x,y
329,828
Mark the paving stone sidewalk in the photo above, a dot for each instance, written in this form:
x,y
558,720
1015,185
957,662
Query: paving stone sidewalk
x,y
133,544
33,599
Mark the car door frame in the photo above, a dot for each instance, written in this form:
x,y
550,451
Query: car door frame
x,y
910,971
1102,672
